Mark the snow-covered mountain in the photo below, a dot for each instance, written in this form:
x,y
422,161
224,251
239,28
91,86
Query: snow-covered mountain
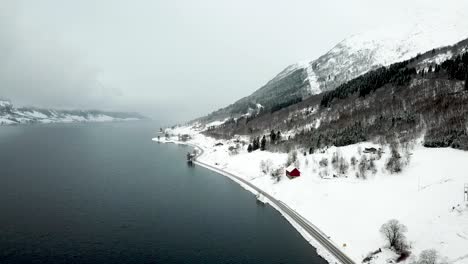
x,y
349,59
10,115
363,52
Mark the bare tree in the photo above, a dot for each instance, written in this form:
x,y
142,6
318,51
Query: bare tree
x,y
266,166
323,162
334,160
406,154
292,158
277,173
394,162
234,150
343,165
371,166
428,256
394,233
379,153
363,166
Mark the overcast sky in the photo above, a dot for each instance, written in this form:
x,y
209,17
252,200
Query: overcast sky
x,y
172,60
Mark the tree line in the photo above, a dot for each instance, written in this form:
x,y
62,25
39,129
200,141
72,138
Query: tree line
x,y
398,74
261,144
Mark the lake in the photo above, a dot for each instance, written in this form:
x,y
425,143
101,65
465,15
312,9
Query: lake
x,y
105,193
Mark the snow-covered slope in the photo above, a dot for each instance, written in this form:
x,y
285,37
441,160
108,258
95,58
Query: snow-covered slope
x,y
427,196
5,104
351,58
363,52
10,115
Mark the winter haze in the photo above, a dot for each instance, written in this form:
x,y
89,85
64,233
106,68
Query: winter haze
x,y
173,60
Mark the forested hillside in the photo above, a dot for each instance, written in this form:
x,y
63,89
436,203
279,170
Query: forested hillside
x,y
426,96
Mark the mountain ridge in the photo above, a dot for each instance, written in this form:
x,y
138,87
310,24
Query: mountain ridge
x,y
9,115
347,60
423,97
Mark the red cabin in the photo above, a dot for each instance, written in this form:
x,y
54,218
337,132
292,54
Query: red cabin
x,y
292,172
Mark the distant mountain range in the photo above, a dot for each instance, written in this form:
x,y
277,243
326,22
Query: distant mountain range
x,y
349,59
9,115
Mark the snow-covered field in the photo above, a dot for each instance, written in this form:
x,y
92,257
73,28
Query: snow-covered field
x,y
427,196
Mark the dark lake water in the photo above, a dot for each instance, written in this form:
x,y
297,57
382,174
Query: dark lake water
x,y
105,193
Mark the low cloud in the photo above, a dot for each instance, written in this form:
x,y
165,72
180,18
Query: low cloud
x,y
37,69
175,60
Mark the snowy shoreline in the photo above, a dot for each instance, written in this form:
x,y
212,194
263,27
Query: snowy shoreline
x,y
321,251
351,210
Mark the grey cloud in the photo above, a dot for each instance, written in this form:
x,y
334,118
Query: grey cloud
x,y
172,59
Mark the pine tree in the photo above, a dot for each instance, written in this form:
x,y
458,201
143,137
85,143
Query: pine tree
x,y
255,144
466,81
278,136
249,148
263,144
272,136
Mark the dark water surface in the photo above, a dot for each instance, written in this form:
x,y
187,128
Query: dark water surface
x,y
105,193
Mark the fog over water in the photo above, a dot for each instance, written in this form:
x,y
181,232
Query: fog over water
x,y
172,60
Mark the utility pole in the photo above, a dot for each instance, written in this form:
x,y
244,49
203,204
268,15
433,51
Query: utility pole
x,y
466,193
